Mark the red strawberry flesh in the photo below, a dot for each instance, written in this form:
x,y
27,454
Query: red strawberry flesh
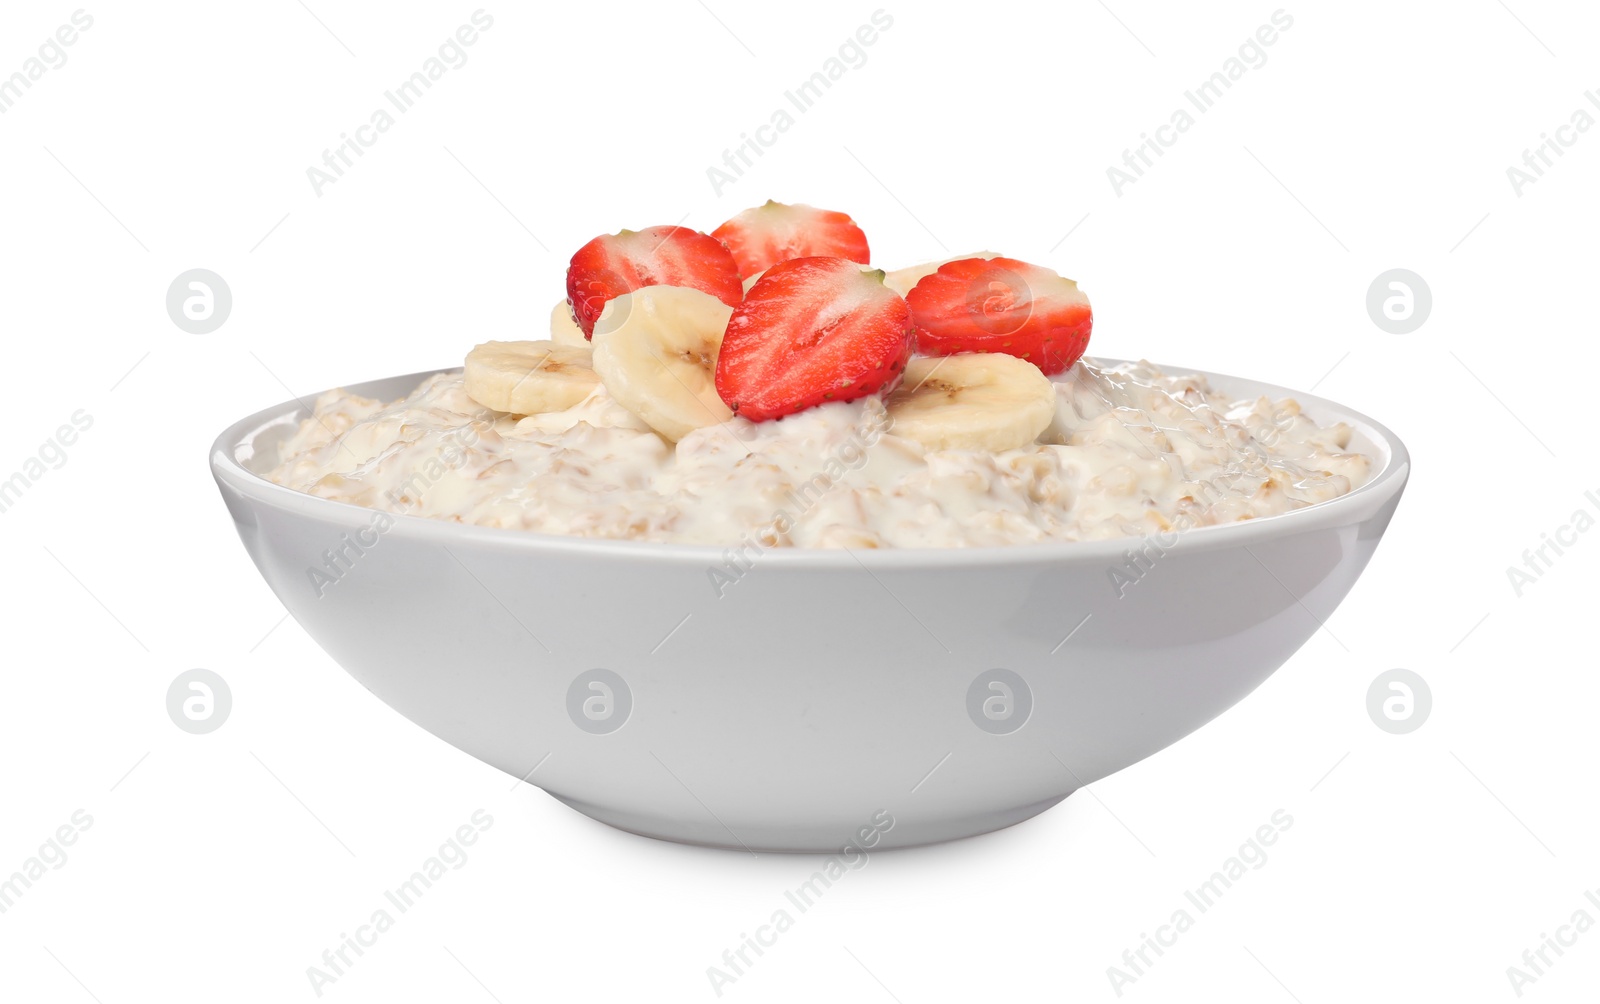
x,y
614,264
766,235
812,330
1001,305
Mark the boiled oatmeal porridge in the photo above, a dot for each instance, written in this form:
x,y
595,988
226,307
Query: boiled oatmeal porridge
x,y
764,384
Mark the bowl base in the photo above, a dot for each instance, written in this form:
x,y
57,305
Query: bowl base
x,y
803,838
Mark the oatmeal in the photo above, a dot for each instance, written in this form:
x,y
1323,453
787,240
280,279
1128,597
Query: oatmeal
x,y
764,385
1127,451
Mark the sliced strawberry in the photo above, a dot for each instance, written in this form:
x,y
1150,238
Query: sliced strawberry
x,y
761,237
614,264
1001,305
812,330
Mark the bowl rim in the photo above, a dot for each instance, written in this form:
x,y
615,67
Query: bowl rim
x,y
1352,507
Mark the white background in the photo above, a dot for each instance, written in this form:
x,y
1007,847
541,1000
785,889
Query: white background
x,y
1376,136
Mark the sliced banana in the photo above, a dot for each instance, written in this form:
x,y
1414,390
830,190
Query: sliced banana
x,y
902,279
975,401
529,378
656,349
563,329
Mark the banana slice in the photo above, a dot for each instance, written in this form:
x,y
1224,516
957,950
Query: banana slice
x,y
656,349
563,329
975,401
902,279
528,378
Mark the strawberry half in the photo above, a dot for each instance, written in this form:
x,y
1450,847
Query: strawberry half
x,y
761,237
614,264
1001,305
812,330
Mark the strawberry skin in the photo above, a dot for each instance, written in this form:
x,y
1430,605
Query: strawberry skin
x,y
762,237
812,330
614,264
1001,305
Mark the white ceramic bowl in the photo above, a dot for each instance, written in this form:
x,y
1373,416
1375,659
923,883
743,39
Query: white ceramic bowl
x,y
829,698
